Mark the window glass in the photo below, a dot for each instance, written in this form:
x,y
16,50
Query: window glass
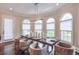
x,y
66,27
38,26
50,28
26,27
8,28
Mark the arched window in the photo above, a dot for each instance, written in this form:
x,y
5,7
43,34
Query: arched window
x,y
38,26
50,28
66,27
26,27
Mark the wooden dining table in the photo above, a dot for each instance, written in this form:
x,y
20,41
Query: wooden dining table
x,y
44,42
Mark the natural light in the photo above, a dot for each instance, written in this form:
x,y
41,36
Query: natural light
x,y
26,27
8,28
66,27
50,28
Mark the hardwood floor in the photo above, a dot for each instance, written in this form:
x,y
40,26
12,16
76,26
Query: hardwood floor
x,y
10,50
7,48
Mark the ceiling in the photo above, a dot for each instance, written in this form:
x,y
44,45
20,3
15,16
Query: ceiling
x,y
28,9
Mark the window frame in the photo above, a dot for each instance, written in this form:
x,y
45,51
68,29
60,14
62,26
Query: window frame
x,y
53,29
5,36
38,23
67,31
27,23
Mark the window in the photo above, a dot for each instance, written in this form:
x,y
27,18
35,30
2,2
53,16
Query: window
x,y
8,28
66,27
38,26
50,28
26,27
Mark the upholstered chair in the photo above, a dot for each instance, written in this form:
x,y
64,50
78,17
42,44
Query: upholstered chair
x,y
37,51
64,48
1,48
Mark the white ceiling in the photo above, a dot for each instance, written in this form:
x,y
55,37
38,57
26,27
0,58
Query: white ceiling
x,y
28,9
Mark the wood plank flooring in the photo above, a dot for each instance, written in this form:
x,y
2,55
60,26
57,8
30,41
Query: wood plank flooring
x,y
9,50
